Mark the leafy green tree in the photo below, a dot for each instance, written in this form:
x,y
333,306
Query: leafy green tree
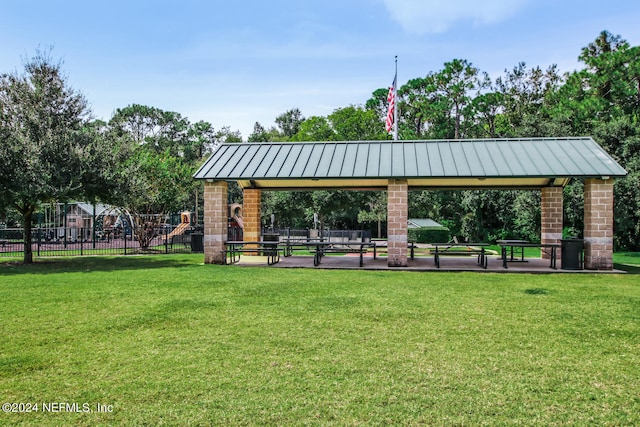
x,y
416,106
573,206
527,215
605,59
356,124
289,122
315,128
160,184
47,146
204,139
349,123
627,212
488,107
424,110
156,129
489,215
227,135
602,100
458,82
105,180
438,105
525,95
441,206
337,209
376,210
378,103
200,140
288,207
164,149
459,101
261,134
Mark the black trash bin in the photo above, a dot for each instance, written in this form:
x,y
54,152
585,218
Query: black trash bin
x,y
572,253
271,237
197,242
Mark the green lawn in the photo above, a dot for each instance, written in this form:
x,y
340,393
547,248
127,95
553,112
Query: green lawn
x,y
166,340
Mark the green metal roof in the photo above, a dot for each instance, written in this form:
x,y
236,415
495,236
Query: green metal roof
x,y
509,163
423,223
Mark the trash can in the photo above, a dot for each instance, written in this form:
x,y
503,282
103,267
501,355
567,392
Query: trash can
x,y
572,253
197,242
271,237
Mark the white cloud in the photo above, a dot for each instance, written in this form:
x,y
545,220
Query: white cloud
x,y
437,16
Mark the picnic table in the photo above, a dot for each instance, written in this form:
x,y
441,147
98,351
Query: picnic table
x,y
322,248
512,245
461,249
234,248
382,243
298,242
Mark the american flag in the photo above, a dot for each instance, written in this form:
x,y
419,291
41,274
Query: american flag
x,y
391,99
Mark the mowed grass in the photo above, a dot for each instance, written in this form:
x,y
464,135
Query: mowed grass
x,y
167,340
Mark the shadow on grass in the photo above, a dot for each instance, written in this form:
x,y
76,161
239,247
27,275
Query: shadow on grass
x,y
631,269
98,263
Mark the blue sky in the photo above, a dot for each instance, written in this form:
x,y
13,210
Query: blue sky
x,y
233,63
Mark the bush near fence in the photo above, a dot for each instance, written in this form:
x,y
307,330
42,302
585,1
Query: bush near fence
x,y
429,235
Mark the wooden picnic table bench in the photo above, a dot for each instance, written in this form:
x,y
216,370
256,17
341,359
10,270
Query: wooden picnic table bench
x,y
233,249
509,245
461,249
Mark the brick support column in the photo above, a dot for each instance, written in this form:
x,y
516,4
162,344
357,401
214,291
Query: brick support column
x,y
251,211
552,213
215,221
397,212
598,224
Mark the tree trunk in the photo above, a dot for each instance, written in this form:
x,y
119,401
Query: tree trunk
x,y
457,123
146,229
27,213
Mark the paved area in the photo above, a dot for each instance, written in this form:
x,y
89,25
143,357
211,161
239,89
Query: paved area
x,y
421,263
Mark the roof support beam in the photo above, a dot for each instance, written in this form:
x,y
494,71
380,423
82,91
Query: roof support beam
x,y
598,224
397,215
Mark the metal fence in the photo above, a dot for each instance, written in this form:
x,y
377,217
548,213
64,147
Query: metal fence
x,y
61,241
73,241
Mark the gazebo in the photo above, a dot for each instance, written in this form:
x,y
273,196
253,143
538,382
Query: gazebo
x,y
545,164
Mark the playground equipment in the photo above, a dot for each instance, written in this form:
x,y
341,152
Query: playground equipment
x,y
235,213
235,229
185,224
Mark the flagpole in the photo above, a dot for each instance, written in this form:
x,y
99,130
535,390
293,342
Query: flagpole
x,y
395,104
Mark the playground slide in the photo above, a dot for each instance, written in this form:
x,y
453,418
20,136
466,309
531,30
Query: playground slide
x,y
180,229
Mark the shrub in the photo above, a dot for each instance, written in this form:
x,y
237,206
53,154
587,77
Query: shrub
x,y
429,235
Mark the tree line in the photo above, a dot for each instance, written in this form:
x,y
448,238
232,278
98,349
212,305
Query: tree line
x,y
601,100
143,158
52,150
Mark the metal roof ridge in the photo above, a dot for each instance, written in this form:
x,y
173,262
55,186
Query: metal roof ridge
x,y
388,141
